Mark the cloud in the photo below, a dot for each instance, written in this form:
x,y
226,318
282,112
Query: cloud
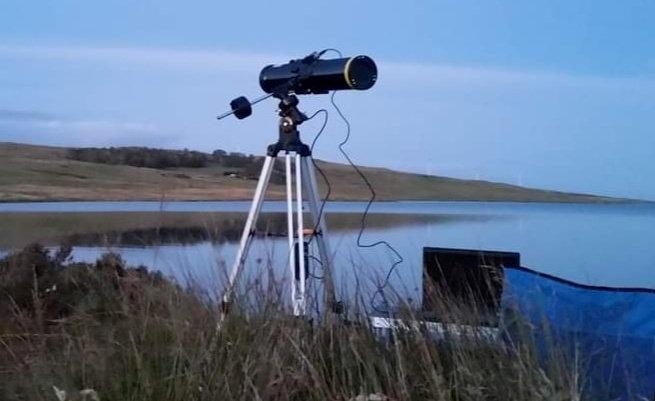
x,y
394,72
439,74
36,126
86,126
20,116
172,58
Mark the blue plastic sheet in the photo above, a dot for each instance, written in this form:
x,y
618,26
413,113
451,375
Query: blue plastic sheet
x,y
613,329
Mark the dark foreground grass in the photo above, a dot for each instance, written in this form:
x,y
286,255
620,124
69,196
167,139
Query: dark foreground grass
x,y
110,332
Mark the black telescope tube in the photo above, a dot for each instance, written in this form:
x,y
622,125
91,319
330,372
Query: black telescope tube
x,y
320,76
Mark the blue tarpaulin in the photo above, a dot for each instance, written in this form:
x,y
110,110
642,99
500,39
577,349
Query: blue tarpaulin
x,y
613,329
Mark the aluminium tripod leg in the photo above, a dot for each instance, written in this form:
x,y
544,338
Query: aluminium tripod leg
x,y
321,236
248,230
291,234
300,300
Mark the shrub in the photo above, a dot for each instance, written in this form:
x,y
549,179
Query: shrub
x,y
141,157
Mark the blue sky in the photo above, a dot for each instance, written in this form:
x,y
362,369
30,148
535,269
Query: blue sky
x,y
553,94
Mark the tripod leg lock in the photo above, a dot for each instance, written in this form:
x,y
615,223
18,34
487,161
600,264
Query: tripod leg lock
x,y
226,306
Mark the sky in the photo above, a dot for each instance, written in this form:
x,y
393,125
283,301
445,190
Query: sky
x,y
550,94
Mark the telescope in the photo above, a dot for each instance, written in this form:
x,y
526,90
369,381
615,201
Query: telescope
x,y
309,75
312,75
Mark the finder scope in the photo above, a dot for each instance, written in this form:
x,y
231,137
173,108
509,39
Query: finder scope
x,y
312,75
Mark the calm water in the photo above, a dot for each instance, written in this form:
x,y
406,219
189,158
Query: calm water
x,y
610,244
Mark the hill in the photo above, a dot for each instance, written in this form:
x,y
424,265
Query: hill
x,y
45,173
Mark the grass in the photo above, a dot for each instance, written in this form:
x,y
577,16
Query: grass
x,y
124,333
41,173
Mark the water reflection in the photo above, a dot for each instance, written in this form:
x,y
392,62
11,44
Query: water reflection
x,y
199,246
611,245
160,228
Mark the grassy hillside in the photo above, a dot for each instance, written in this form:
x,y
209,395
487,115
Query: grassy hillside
x,y
41,173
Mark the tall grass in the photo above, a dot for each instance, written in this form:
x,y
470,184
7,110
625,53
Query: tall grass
x,y
128,334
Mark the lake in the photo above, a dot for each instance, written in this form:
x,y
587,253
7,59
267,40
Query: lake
x,y
596,244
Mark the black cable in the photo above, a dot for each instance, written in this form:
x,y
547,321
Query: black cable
x,y
321,172
324,122
329,49
312,257
399,258
316,166
311,148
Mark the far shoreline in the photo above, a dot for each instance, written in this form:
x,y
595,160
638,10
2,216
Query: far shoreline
x,y
601,201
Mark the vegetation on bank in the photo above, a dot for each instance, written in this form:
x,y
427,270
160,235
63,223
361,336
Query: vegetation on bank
x,y
161,158
236,164
114,332
141,157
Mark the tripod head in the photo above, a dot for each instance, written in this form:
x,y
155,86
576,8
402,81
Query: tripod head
x,y
289,136
288,107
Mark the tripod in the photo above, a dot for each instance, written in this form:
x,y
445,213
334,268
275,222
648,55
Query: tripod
x,y
305,178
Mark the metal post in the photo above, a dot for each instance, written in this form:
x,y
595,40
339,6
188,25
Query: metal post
x,y
321,225
248,229
301,241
